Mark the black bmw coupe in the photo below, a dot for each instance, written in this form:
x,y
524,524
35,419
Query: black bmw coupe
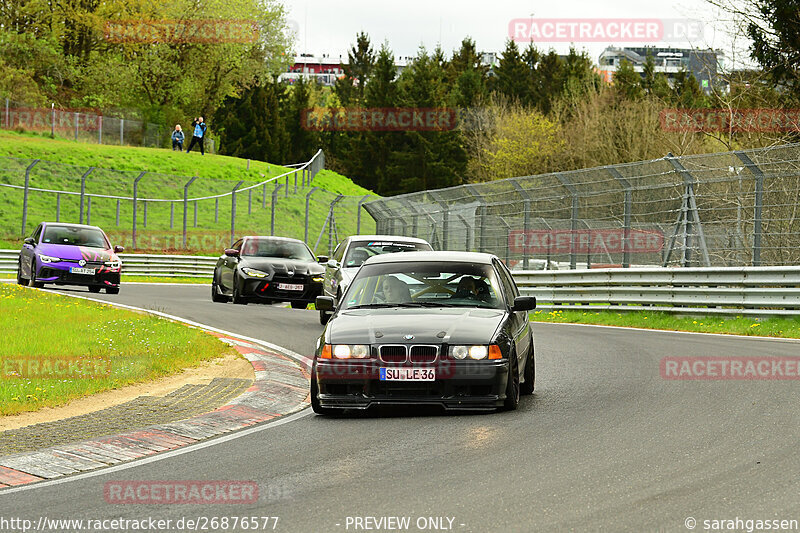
x,y
437,328
268,269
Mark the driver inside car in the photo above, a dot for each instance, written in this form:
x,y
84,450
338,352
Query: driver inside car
x,y
395,291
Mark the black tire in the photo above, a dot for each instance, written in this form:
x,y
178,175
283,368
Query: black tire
x,y
216,297
20,279
94,288
112,290
529,374
299,305
237,297
512,385
32,282
315,406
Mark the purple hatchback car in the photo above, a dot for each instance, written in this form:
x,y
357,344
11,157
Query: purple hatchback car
x,y
69,254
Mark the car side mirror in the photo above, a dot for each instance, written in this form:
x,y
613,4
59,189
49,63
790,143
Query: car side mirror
x,y
333,263
29,240
119,249
232,252
524,303
324,303
322,259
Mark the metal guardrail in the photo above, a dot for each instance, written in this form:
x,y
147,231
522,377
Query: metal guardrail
x,y
166,266
717,290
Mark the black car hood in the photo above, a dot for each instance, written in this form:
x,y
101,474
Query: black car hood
x,y
275,265
428,326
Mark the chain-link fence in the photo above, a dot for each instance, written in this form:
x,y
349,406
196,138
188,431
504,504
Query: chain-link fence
x,y
154,211
726,209
82,125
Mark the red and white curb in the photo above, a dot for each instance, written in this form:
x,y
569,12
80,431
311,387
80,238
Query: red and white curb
x,y
281,387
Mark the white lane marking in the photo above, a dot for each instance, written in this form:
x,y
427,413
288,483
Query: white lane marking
x,y
630,328
163,455
285,351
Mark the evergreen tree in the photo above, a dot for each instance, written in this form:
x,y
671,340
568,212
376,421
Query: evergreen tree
x,y
360,62
512,75
776,43
549,78
303,143
627,82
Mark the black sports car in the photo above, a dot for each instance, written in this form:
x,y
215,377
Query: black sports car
x,y
268,269
437,328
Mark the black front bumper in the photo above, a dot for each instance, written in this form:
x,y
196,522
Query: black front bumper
x,y
458,385
261,289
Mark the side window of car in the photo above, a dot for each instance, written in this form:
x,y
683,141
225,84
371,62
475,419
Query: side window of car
x,y
37,233
509,288
338,253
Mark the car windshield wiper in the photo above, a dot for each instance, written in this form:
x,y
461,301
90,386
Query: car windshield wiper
x,y
425,304
371,306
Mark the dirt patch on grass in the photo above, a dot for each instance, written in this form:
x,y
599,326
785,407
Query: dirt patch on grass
x,y
231,365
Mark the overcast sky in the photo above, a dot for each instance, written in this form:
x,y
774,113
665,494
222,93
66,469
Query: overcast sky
x,y
325,26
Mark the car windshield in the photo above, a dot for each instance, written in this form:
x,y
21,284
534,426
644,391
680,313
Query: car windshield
x,y
424,284
276,248
74,236
360,251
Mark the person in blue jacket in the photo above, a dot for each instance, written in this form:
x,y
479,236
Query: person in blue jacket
x,y
177,138
198,134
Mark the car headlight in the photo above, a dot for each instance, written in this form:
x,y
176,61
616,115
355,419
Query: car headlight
x,y
477,352
350,351
47,259
252,272
112,264
318,279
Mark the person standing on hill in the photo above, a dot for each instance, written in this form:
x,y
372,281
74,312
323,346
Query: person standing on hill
x,y
199,134
177,139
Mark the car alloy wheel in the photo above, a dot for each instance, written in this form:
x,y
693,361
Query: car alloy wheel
x,y
530,373
215,294
32,282
20,279
512,386
237,296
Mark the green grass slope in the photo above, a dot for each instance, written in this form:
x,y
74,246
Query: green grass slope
x,y
64,162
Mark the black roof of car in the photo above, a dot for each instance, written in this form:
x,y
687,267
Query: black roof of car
x,y
433,257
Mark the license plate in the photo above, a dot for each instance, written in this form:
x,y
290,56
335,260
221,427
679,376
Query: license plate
x,y
81,270
407,374
290,287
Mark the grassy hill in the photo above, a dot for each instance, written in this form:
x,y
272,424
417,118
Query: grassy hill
x,y
64,162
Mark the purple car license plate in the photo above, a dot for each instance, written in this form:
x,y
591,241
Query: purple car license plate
x,y
81,270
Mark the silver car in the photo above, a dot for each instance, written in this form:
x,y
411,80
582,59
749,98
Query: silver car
x,y
353,251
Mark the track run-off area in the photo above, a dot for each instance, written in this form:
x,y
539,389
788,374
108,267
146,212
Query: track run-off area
x,y
605,443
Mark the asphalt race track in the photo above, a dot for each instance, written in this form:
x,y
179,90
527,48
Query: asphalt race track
x,y
604,444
